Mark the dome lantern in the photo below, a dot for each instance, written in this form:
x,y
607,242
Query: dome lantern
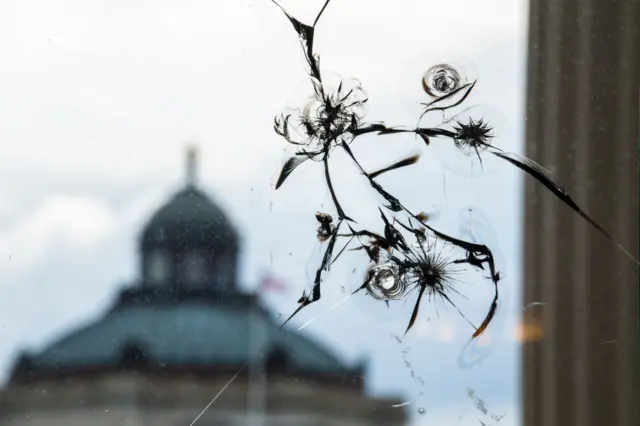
x,y
189,242
192,166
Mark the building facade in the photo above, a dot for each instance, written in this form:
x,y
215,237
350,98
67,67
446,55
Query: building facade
x,y
175,338
581,291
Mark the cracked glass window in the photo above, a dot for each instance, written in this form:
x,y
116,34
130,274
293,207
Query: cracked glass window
x,y
319,212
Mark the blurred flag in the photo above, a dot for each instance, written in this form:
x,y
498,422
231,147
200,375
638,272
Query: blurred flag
x,y
273,284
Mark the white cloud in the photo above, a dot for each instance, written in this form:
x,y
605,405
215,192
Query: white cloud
x,y
61,224
58,222
105,87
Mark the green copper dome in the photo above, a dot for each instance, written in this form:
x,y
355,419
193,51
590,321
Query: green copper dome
x,y
174,320
188,218
193,334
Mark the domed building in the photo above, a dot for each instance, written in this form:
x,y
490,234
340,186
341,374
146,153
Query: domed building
x,y
174,340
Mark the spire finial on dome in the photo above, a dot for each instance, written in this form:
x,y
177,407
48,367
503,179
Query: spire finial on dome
x,y
192,164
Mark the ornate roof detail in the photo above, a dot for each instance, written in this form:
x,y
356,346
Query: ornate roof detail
x,y
190,336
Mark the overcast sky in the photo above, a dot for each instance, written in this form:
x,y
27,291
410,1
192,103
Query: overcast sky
x,y
99,99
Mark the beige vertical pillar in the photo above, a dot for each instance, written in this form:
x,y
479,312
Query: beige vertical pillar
x,y
583,114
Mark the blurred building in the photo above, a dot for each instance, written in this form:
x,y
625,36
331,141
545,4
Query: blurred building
x,y
580,366
173,340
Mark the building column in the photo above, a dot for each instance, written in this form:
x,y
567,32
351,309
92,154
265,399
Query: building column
x,y
583,124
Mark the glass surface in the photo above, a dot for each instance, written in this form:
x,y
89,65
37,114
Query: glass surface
x,y
362,236
194,269
159,267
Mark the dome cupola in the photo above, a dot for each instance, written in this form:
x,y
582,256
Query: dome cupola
x,y
189,243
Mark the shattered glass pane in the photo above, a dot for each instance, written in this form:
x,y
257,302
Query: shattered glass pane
x,y
361,260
